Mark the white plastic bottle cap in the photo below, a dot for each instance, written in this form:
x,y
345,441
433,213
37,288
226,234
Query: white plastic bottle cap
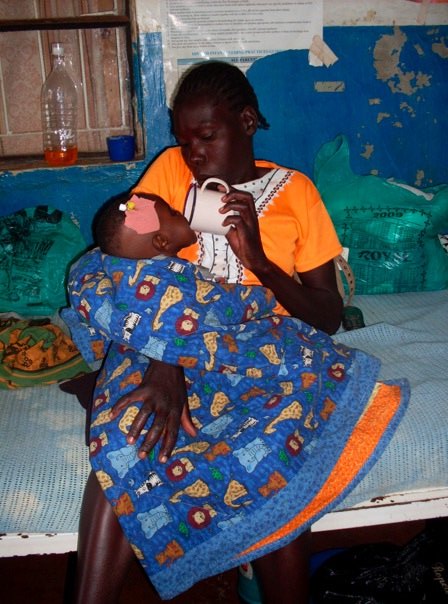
x,y
57,49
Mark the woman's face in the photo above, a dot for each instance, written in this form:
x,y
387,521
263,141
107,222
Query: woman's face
x,y
216,141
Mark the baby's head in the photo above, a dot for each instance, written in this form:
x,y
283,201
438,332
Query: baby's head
x,y
141,226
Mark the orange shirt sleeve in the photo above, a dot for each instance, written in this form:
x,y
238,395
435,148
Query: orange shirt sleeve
x,y
318,242
296,230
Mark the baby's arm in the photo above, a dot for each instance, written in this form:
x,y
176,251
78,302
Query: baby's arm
x,y
170,315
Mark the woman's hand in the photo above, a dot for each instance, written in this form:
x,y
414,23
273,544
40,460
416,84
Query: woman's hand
x,y
164,396
244,238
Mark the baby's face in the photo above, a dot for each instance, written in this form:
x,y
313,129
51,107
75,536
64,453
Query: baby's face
x,y
174,225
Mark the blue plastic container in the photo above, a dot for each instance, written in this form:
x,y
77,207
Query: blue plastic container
x,y
121,148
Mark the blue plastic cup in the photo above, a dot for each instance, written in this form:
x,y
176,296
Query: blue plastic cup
x,y
121,148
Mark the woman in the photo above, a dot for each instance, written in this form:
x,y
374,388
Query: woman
x,y
282,231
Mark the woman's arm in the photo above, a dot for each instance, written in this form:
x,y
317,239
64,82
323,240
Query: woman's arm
x,y
315,299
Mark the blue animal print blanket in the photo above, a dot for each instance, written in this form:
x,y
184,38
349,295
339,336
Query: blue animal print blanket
x,y
288,421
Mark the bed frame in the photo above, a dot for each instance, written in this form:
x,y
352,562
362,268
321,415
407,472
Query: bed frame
x,y
386,509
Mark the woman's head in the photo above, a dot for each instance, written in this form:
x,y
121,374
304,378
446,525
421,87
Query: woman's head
x,y
223,83
215,115
141,226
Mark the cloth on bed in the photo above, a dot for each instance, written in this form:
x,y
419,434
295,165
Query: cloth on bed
x,y
287,420
36,352
409,333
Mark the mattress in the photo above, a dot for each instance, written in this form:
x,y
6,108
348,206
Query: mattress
x,y
44,461
409,333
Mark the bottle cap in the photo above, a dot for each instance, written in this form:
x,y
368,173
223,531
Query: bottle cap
x,y
57,49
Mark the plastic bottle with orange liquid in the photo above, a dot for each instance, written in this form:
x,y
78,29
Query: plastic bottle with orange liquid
x,y
59,113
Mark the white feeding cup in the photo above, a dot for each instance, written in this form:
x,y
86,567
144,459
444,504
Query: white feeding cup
x,y
202,207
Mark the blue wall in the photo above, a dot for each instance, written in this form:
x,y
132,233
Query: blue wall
x,y
405,133
402,120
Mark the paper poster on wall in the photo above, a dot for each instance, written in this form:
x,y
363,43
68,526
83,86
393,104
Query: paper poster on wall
x,y
239,31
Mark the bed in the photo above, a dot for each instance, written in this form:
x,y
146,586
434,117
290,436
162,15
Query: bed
x,y
44,461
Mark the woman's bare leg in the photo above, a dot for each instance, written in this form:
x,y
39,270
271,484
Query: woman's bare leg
x,y
283,575
104,558
104,554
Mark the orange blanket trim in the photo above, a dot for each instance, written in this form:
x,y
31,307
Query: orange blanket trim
x,y
383,405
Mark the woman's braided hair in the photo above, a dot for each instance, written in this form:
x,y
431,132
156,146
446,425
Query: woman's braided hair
x,y
224,83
